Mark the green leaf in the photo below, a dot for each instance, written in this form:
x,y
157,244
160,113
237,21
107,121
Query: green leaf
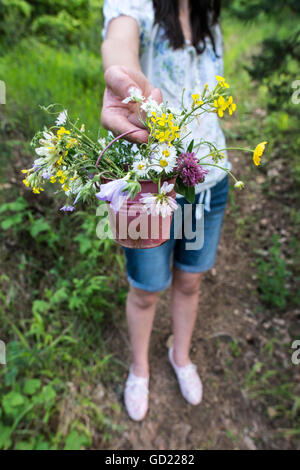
x,y
75,441
187,191
48,394
39,226
17,206
59,296
40,306
191,146
23,445
11,221
42,446
11,402
5,433
31,386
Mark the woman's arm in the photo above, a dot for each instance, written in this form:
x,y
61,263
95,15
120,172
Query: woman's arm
x,y
120,56
121,45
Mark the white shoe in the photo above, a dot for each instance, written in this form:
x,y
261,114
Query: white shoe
x,y
189,381
136,396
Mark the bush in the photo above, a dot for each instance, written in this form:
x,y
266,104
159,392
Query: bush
x,y
59,22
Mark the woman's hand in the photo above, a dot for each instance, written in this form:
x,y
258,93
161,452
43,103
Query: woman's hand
x,y
119,117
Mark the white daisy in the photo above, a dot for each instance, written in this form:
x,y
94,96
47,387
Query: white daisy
x,y
163,164
141,167
164,151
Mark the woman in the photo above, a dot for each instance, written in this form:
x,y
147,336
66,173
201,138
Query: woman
x,y
161,47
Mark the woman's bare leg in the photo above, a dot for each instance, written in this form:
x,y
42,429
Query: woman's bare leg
x,y
185,297
140,314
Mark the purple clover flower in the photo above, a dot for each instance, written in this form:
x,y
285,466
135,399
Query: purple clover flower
x,y
189,169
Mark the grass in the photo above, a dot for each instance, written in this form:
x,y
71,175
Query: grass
x,y
46,75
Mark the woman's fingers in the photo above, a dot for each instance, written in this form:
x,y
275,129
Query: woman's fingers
x,y
117,116
120,81
119,124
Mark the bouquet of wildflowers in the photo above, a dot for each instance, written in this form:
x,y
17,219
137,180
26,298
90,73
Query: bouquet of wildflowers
x,y
68,158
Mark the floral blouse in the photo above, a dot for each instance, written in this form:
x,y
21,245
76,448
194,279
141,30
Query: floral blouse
x,y
173,70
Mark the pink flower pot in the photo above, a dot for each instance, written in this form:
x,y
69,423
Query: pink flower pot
x,y
132,227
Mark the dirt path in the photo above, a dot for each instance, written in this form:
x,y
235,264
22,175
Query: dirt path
x,y
224,348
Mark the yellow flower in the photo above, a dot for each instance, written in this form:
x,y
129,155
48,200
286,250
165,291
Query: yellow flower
x,y
61,132
222,81
37,190
52,179
25,171
196,99
59,161
66,187
257,154
26,183
220,104
163,128
61,176
71,142
231,105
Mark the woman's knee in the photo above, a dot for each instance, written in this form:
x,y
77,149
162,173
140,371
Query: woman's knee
x,y
143,299
187,283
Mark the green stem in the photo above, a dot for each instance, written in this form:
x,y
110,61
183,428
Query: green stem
x,y
159,184
221,150
222,168
140,116
83,135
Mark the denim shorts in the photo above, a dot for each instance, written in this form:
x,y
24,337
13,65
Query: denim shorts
x,y
151,269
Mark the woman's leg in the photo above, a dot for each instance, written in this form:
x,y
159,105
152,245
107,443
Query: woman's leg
x,y
140,309
185,297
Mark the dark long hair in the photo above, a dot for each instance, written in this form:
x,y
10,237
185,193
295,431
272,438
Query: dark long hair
x,y
203,15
